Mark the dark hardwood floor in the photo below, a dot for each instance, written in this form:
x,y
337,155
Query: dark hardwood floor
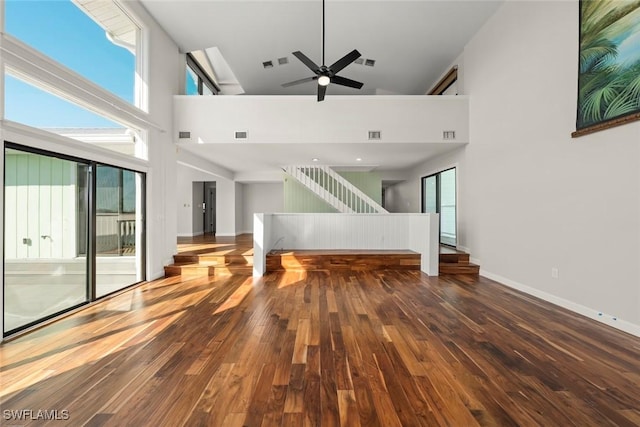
x,y
324,348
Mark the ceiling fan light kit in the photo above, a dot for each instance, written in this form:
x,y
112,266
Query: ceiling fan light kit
x,y
326,75
324,80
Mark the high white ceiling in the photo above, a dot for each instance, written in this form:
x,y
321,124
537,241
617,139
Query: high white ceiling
x,y
412,42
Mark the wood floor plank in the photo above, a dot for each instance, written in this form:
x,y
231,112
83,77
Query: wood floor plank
x,y
324,348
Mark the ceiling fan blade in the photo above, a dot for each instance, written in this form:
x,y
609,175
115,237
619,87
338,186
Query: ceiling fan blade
x,y
344,61
343,81
321,91
297,82
306,61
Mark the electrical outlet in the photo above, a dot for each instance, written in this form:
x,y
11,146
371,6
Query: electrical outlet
x,y
554,272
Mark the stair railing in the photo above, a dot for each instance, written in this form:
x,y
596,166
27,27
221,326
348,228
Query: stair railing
x,y
334,189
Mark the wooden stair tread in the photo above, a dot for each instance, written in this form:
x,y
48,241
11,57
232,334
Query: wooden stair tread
x,y
453,261
323,252
356,260
213,259
452,268
206,270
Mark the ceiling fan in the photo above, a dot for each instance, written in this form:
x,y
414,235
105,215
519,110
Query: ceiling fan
x,y
323,74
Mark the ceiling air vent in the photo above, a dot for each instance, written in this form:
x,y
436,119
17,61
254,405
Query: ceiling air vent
x,y
282,61
375,134
449,134
359,61
241,135
184,135
370,62
267,64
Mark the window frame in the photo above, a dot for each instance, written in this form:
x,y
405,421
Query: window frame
x,y
203,77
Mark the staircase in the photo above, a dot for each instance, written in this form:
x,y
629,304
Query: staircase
x,y
215,259
334,189
456,262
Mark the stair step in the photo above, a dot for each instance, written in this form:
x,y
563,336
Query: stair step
x,y
462,268
343,260
454,258
203,270
212,259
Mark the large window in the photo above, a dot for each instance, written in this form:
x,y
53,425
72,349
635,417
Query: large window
x,y
33,106
60,251
73,222
197,80
439,196
96,39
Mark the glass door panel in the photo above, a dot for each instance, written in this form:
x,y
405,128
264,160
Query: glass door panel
x,y
439,196
448,207
119,217
430,196
45,266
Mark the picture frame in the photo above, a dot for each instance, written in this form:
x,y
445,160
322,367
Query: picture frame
x,y
609,65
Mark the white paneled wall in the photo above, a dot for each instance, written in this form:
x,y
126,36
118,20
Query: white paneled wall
x,y
40,200
416,232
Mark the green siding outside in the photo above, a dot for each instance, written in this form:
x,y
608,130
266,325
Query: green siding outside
x,y
370,183
299,199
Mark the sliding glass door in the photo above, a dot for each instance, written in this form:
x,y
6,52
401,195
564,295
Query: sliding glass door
x,y
439,196
73,232
118,228
45,231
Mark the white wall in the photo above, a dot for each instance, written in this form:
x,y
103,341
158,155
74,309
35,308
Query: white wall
x,y
239,218
300,119
531,197
225,207
163,81
261,198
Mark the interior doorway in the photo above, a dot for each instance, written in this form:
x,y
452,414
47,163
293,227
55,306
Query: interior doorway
x,y
210,208
204,208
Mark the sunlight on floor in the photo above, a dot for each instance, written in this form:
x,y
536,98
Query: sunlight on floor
x,y
237,297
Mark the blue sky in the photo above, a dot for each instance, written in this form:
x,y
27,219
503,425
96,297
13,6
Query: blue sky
x,y
60,30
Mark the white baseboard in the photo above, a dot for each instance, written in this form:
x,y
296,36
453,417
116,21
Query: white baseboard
x,y
157,275
463,249
607,319
190,234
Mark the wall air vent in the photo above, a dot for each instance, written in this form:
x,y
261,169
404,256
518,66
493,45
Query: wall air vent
x,y
267,64
241,134
375,134
449,134
184,135
282,61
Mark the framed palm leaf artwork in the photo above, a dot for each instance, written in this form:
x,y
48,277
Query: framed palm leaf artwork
x,y
609,70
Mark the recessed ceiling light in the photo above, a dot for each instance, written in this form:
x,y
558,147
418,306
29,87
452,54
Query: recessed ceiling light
x,y
315,159
358,159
